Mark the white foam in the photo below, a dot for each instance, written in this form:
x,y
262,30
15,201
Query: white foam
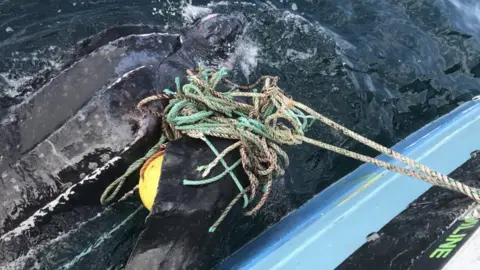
x,y
228,3
191,13
291,53
470,11
33,252
245,56
14,84
22,67
17,76
170,10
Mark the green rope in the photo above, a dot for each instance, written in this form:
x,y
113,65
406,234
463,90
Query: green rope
x,y
119,182
234,177
170,92
258,129
215,178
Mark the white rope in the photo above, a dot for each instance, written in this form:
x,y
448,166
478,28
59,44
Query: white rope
x,y
477,98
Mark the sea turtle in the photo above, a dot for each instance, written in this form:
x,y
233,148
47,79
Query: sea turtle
x,y
81,125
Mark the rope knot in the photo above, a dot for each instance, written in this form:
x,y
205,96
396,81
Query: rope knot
x,y
258,128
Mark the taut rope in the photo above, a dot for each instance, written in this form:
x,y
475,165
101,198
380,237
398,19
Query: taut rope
x,y
199,111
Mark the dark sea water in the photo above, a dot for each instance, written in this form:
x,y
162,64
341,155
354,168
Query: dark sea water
x,y
383,68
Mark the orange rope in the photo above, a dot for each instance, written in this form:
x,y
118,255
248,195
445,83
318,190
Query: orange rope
x,y
154,156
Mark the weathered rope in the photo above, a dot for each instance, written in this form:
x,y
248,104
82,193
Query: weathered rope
x,y
160,152
108,195
258,128
428,175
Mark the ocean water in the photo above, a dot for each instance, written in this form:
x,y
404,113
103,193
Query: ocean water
x,y
383,68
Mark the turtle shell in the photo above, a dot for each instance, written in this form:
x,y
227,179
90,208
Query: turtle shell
x,y
75,123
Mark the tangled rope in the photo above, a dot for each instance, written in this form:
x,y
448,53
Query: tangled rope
x,y
198,110
112,190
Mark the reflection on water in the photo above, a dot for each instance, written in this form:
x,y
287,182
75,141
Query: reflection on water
x,y
381,67
465,15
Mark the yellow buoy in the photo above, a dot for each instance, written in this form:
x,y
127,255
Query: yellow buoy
x,y
149,179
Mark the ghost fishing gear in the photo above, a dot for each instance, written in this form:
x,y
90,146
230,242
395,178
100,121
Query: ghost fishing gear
x,y
258,129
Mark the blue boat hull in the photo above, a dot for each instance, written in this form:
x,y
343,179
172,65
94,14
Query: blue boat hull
x,y
335,223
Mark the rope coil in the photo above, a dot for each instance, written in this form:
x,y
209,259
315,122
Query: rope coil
x,y
259,128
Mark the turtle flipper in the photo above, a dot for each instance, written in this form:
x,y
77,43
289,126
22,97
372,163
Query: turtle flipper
x,y
92,43
67,120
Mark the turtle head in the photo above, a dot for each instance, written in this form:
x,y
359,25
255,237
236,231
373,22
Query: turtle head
x,y
221,30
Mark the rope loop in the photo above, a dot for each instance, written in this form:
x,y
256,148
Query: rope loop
x,y
258,129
